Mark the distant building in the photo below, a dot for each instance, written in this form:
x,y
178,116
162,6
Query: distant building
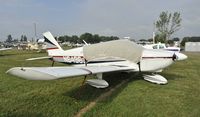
x,y
192,46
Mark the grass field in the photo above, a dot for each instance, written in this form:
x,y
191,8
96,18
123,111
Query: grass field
x,y
65,98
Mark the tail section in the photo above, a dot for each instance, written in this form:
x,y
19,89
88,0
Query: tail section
x,y
58,54
53,47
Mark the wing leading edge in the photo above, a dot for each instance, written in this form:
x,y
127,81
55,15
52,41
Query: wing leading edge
x,y
51,73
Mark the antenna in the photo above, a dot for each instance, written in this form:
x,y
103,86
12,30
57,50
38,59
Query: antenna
x,y
35,32
153,37
154,25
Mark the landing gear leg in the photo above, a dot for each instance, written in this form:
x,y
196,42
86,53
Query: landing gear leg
x,y
84,80
53,63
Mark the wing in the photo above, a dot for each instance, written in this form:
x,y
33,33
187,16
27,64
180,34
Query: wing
x,y
51,73
5,49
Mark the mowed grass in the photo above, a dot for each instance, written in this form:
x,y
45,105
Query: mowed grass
x,y
20,97
179,98
66,97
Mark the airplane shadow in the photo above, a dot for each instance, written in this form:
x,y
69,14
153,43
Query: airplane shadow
x,y
89,93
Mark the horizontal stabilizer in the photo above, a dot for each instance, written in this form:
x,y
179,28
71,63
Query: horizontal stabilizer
x,y
38,58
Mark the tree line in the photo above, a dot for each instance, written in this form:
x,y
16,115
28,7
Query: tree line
x,y
88,37
10,39
189,39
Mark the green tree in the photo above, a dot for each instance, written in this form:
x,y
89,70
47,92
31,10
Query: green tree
x,y
114,38
170,42
75,39
176,39
142,40
9,38
87,37
160,38
15,40
168,24
150,40
25,38
61,38
189,39
68,39
185,39
22,38
96,38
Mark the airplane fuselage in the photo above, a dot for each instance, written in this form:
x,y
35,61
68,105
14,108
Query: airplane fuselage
x,y
151,60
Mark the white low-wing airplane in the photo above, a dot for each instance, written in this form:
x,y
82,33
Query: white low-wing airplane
x,y
118,55
2,49
162,46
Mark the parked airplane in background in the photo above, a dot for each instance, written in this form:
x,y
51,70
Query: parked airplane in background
x,y
2,49
112,56
162,46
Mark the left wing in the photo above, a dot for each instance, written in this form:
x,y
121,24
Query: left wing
x,y
51,73
5,49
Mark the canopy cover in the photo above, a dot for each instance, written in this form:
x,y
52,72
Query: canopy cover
x,y
123,49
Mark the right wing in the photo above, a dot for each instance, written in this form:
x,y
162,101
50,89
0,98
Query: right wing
x,y
51,73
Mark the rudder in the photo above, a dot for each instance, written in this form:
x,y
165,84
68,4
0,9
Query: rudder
x,y
52,44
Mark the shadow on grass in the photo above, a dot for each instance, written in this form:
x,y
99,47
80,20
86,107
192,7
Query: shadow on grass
x,y
172,76
2,55
89,93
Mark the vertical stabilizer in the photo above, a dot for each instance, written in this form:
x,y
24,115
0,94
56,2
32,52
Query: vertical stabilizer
x,y
51,41
52,45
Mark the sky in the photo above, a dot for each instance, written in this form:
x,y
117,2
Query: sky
x,y
122,18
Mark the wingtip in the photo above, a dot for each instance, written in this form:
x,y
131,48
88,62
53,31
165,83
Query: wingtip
x,y
30,74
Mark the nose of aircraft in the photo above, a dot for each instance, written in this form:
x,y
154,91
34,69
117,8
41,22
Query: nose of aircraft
x,y
180,56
